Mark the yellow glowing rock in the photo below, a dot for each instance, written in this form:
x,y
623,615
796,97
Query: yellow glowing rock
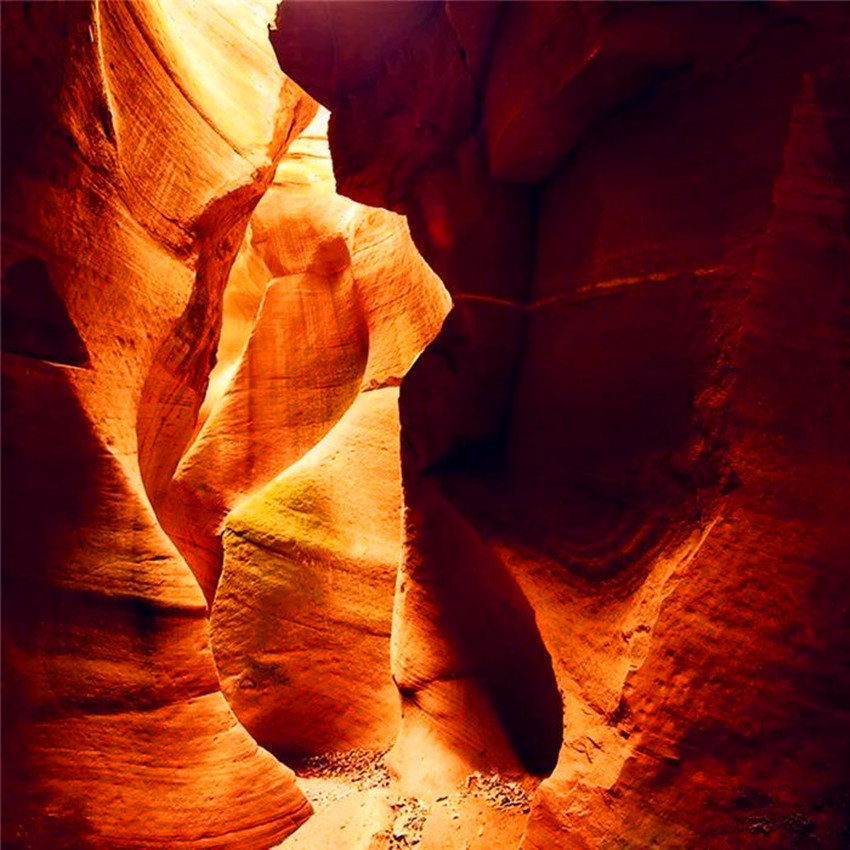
x,y
301,621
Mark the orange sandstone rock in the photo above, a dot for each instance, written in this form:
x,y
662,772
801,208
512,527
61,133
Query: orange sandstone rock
x,y
619,490
340,300
301,621
126,193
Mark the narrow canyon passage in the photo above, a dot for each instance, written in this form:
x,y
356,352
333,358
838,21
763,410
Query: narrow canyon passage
x,y
425,424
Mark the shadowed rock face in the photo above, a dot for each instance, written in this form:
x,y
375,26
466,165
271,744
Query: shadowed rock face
x,y
636,411
35,322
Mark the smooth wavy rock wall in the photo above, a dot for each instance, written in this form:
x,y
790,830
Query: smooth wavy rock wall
x,y
627,449
129,175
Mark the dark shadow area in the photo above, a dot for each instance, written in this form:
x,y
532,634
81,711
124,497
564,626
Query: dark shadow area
x,y
35,321
492,628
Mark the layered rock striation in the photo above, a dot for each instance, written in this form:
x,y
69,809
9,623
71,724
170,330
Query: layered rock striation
x,y
628,444
188,310
129,177
270,491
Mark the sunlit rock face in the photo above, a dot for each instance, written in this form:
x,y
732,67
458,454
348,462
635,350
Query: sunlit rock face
x,y
269,492
326,298
129,175
301,621
302,449
629,443
193,322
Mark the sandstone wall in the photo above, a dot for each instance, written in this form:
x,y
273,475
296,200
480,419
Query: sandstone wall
x,y
123,207
634,421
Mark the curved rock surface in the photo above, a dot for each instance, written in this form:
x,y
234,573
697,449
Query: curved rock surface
x,y
303,445
301,620
123,207
326,297
615,480
638,404
156,229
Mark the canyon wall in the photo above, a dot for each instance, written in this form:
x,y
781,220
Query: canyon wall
x,y
188,310
293,483
625,456
123,208
593,537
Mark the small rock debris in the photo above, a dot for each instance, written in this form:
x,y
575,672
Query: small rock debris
x,y
499,792
409,822
363,768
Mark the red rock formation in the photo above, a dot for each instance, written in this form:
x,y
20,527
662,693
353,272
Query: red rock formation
x,y
637,408
347,305
123,207
327,297
623,458
130,241
301,620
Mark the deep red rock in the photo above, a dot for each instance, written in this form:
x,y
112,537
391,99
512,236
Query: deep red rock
x,y
644,417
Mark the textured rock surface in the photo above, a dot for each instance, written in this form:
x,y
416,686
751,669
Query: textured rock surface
x,y
150,229
123,206
327,297
347,306
637,408
301,621
623,459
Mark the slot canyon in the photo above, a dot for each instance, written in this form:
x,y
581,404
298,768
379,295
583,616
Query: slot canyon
x,y
425,425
